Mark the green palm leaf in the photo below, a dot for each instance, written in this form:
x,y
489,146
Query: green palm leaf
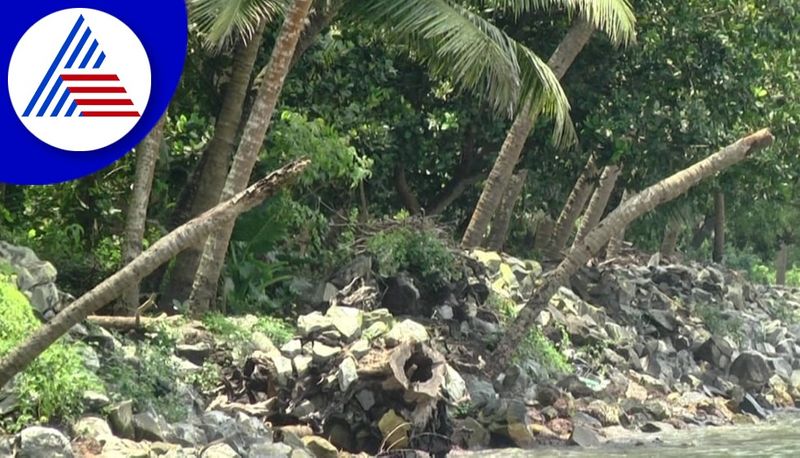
x,y
614,17
222,21
458,44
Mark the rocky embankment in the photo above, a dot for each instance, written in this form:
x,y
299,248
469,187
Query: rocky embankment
x,y
630,350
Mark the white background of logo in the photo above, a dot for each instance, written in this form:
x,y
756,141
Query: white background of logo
x,y
33,56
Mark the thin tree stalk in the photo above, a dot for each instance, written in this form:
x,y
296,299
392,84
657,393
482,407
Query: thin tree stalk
x,y
572,209
664,191
157,254
599,201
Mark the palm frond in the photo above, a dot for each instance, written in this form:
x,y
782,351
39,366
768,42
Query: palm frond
x,y
223,21
457,44
613,17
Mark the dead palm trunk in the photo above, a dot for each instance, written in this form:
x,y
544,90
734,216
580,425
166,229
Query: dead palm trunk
x,y
217,158
671,234
502,220
575,204
158,253
204,288
146,157
544,229
641,203
599,202
617,240
781,262
495,186
719,227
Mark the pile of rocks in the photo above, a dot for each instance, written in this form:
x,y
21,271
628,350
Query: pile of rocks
x,y
380,367
35,278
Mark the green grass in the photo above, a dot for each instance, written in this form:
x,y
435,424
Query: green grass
x,y
51,388
278,330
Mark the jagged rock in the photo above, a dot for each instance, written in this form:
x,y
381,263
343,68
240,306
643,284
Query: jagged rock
x,y
9,402
751,369
401,295
406,331
575,386
376,330
607,414
346,320
93,401
470,434
750,405
218,425
455,386
121,418
378,315
269,449
347,373
304,409
196,353
313,323
366,399
656,427
188,435
583,436
292,348
150,426
320,447
490,259
360,348
301,364
115,447
222,450
92,427
517,428
39,442
322,353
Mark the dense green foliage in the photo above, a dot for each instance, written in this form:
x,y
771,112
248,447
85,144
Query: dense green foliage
x,y
52,388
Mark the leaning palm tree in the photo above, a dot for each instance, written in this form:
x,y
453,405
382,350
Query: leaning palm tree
x,y
222,26
615,18
454,42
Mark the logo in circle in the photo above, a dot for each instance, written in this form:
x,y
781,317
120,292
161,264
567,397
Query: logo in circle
x,y
79,79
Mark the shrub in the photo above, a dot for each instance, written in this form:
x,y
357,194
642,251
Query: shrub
x,y
418,252
51,388
278,330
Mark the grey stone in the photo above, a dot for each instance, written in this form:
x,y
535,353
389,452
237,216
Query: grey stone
x,y
312,323
95,401
406,331
92,427
366,399
40,442
292,348
322,353
716,351
268,449
196,353
751,369
401,295
346,320
347,373
455,386
583,436
151,427
121,418
656,427
188,435
218,425
301,364
360,348
221,450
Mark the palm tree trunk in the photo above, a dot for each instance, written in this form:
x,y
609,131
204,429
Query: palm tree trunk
x,y
671,234
502,220
503,169
719,227
641,203
572,209
617,240
146,157
160,252
597,206
215,162
407,196
204,288
701,233
544,230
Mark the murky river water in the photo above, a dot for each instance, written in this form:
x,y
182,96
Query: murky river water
x,y
779,437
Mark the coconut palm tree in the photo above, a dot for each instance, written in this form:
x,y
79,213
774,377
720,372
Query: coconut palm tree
x,y
446,35
615,18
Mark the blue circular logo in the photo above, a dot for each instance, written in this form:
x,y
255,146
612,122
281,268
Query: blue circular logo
x,y
87,81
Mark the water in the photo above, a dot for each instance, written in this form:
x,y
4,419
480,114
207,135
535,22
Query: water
x,y
779,437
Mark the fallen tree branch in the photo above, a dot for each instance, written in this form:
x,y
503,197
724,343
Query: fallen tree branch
x,y
188,234
639,204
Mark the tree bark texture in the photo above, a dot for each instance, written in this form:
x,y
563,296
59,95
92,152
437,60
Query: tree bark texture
x,y
204,287
502,220
617,240
781,264
572,209
495,186
160,252
407,196
146,157
670,241
719,227
664,191
599,202
215,161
